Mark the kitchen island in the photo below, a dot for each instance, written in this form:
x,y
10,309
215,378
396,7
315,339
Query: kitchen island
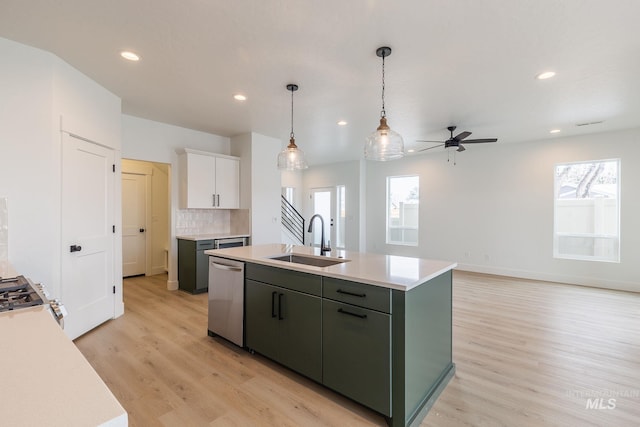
x,y
375,328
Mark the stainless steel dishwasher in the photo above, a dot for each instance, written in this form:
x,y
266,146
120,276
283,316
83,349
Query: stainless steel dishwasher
x,y
226,299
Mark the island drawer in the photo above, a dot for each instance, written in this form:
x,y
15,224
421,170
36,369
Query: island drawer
x,y
289,279
360,294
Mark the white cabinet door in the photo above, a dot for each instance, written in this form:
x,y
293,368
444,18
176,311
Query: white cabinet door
x,y
201,181
227,183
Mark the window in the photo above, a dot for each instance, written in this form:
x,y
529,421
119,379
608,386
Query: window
x,y
587,211
403,202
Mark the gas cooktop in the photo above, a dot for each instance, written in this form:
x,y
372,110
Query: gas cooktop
x,y
17,293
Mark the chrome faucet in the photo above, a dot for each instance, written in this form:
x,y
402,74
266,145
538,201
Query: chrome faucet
x,y
323,248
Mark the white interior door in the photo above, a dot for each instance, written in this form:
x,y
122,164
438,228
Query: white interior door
x,y
87,234
134,229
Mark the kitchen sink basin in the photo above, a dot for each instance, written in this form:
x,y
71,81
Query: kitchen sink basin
x,y
307,260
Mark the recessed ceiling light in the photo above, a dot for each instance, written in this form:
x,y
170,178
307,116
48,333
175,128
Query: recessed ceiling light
x,y
239,97
411,150
129,55
554,131
342,123
545,75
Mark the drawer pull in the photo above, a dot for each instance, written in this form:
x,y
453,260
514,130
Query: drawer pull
x,y
361,316
340,291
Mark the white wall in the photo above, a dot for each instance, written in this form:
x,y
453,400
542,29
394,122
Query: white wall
x,y
38,91
493,211
332,175
157,142
260,183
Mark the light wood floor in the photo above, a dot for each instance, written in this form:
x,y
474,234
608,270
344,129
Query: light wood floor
x,y
527,353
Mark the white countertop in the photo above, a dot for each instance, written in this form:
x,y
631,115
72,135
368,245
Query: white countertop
x,y
197,237
46,381
390,271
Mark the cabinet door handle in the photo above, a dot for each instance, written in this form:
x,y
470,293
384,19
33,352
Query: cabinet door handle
x,y
273,304
361,316
340,291
217,200
213,201
280,316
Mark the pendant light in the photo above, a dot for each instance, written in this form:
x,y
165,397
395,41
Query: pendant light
x,y
292,158
384,144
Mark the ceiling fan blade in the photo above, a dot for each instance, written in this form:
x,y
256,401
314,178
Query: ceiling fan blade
x,y
424,140
429,148
461,147
461,136
478,141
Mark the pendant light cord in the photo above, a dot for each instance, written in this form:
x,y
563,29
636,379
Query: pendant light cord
x,y
383,113
291,114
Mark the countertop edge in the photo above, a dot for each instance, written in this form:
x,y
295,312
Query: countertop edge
x,y
328,272
198,237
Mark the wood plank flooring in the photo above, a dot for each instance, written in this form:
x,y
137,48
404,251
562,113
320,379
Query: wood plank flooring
x,y
527,353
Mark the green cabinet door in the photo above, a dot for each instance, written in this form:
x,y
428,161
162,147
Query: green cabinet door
x,y
285,326
300,337
261,318
356,354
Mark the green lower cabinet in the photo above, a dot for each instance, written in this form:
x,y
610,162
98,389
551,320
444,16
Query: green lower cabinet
x,y
356,354
285,326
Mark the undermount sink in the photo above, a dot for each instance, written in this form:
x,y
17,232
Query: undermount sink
x,y
316,262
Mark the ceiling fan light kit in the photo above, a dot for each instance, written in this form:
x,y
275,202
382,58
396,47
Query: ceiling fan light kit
x,y
384,144
292,158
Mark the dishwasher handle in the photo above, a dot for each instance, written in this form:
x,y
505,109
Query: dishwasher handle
x,y
225,267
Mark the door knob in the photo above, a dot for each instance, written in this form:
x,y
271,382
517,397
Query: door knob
x,y
75,248
142,230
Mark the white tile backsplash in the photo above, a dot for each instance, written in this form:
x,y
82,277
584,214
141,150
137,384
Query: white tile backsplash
x,y
202,221
4,230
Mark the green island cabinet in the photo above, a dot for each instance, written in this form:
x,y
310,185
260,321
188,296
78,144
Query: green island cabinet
x,y
193,265
387,349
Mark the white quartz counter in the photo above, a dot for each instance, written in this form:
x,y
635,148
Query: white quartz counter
x,y
390,271
46,381
197,237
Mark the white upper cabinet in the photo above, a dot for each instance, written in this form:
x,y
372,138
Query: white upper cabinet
x,y
209,181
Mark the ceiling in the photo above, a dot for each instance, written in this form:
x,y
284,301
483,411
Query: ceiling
x,y
465,62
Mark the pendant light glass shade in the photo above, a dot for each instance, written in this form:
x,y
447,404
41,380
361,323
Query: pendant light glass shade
x,y
292,158
384,144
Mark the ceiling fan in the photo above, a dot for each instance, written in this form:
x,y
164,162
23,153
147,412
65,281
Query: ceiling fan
x,y
454,141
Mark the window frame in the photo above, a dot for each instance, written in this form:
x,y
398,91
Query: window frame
x,y
388,226
557,235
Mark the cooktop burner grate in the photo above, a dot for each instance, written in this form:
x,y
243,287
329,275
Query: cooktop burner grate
x,y
18,293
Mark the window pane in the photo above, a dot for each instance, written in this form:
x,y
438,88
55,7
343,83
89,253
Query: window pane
x,y
403,202
587,210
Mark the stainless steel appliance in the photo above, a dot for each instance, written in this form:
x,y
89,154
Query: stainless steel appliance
x,y
230,243
19,292
226,299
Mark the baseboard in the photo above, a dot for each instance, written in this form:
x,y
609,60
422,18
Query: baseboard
x,y
157,270
617,285
420,414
